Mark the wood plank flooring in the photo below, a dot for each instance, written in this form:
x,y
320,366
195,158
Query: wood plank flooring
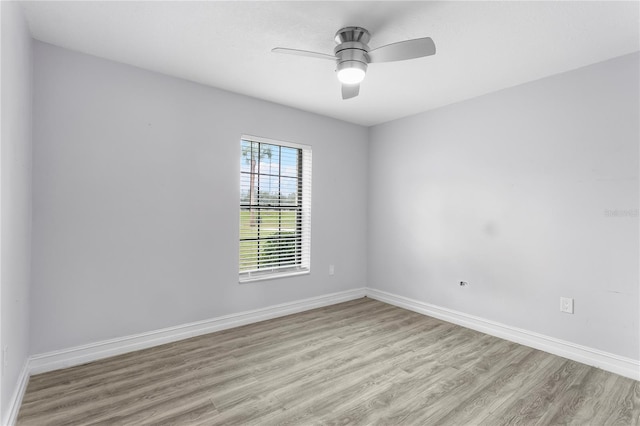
x,y
360,362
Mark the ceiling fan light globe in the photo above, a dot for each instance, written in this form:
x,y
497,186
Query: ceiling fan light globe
x,y
351,72
351,75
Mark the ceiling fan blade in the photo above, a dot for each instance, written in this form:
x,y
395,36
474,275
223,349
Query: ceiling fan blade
x,y
402,50
350,91
303,53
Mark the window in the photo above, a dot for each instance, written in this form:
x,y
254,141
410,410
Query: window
x,y
275,208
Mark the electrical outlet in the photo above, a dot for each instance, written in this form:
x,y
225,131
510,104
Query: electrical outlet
x,y
332,270
566,305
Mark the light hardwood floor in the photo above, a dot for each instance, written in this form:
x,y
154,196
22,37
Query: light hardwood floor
x,y
360,362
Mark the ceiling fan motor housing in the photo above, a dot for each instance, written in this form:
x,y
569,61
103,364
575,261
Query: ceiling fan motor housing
x,y
351,51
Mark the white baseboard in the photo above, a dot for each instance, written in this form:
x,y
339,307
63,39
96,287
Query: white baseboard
x,y
86,353
607,361
18,394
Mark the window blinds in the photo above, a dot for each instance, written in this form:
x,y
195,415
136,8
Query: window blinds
x,y
275,208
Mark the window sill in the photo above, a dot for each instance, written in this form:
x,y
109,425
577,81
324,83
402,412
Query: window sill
x,y
271,276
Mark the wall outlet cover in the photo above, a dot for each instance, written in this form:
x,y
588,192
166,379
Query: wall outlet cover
x,y
566,305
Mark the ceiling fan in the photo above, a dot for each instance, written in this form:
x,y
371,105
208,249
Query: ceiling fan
x,y
352,55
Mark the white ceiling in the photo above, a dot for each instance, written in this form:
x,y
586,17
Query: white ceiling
x,y
481,46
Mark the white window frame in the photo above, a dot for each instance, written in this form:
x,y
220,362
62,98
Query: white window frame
x,y
303,266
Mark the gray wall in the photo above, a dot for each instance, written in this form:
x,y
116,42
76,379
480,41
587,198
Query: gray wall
x,y
136,193
510,191
15,196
